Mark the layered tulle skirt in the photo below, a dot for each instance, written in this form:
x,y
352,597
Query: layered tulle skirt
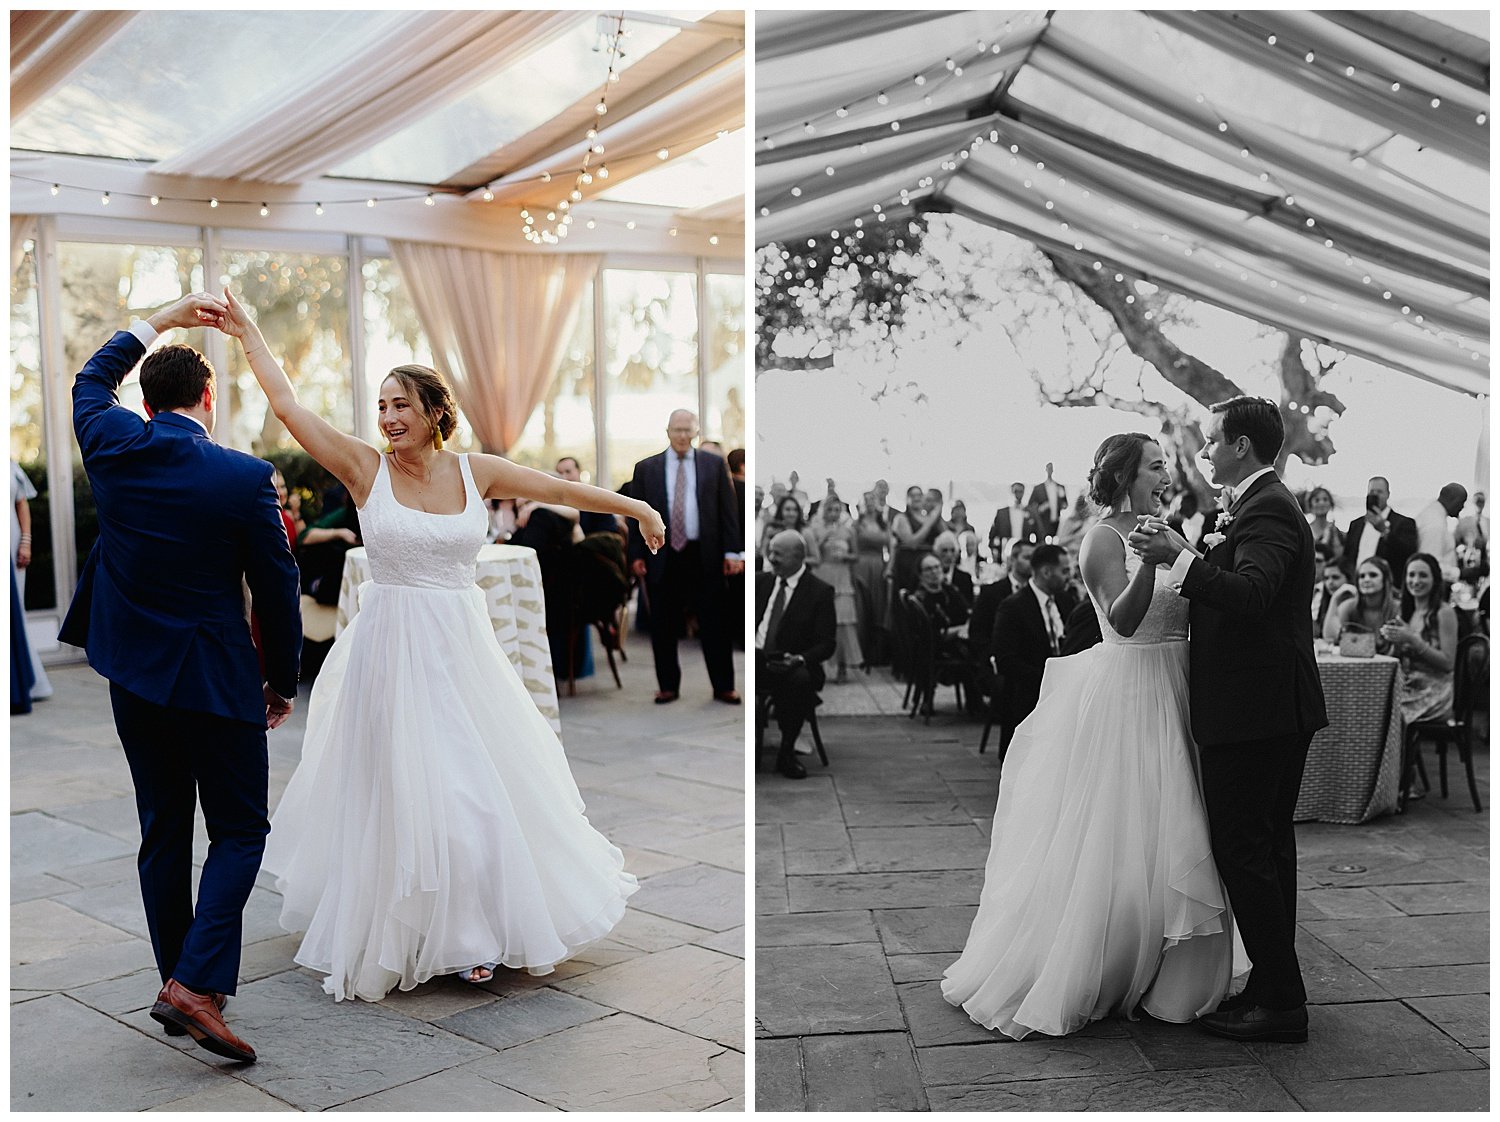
x,y
432,823
1100,891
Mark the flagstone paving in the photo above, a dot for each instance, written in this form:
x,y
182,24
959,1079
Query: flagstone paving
x,y
868,877
652,1018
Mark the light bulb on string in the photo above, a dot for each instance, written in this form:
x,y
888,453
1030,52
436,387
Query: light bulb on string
x,y
370,202
317,208
104,200
155,200
920,79
56,189
430,201
213,204
264,210
713,239
488,196
662,153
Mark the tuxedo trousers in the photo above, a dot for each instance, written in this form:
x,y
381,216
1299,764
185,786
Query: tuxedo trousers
x,y
177,759
686,585
1250,793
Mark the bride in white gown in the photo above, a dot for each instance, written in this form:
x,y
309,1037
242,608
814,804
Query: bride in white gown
x,y
1100,892
432,825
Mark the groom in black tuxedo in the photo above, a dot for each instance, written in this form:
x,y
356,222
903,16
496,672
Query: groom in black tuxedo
x,y
1256,702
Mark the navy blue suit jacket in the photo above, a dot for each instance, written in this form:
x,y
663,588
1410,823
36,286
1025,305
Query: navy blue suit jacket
x,y
719,529
160,606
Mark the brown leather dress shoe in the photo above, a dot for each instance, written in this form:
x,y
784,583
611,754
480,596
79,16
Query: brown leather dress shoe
x,y
663,697
198,1015
172,1028
728,697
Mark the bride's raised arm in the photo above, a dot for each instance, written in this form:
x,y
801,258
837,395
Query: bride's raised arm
x,y
1124,599
352,461
498,478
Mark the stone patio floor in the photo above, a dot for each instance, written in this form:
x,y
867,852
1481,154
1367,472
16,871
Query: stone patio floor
x,y
867,879
652,1018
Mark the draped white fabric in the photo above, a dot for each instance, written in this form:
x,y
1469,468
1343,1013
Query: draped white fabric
x,y
422,61
22,228
1320,172
497,324
47,47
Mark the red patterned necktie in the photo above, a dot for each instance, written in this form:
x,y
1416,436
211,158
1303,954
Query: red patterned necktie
x,y
679,506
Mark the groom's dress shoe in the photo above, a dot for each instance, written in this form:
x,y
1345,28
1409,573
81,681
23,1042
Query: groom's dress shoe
x,y
199,1016
174,1029
1256,1022
1233,1001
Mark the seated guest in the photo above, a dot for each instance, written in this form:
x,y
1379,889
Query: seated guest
x,y
1081,629
1379,532
944,603
968,555
945,548
1331,590
1435,528
590,521
1018,565
1028,631
1320,521
322,545
794,633
1372,608
1425,638
1013,523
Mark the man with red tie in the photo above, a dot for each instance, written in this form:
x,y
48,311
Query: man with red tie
x,y
691,490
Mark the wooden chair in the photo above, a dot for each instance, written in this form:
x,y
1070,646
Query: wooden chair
x,y
765,709
930,667
1471,670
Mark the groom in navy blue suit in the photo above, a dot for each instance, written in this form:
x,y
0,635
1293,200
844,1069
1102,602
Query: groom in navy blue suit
x,y
160,610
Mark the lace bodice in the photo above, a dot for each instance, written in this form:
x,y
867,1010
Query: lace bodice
x,y
421,550
1166,619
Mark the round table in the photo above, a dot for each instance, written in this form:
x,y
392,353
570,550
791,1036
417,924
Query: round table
x,y
1353,768
511,579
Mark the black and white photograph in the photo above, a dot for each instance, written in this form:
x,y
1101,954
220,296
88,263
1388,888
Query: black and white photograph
x,y
1121,606
378,442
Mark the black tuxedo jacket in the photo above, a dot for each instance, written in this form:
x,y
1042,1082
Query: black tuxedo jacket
x,y
982,618
1042,512
1396,547
1000,530
964,584
1021,648
1251,658
719,530
808,623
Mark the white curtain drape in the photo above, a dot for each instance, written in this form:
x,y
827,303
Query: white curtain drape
x,y
421,62
497,324
47,47
22,227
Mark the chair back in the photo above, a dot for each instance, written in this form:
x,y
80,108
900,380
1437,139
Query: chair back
x,y
918,628
1471,669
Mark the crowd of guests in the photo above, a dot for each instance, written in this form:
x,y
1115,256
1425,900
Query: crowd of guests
x,y
998,603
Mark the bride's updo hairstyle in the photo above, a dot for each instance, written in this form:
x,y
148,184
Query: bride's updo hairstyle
x,y
1115,466
428,391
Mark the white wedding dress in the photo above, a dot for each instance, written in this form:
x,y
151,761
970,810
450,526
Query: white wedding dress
x,y
1100,891
432,823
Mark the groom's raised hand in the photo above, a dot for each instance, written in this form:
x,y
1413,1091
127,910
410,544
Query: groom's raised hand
x,y
1156,543
196,309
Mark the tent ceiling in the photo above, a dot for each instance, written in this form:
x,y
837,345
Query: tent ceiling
x,y
451,101
1322,172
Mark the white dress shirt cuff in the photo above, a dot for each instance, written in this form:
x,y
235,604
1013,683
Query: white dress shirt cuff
x,y
144,332
734,557
1180,568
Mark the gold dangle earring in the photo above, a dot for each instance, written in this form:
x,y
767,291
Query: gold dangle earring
x,y
437,435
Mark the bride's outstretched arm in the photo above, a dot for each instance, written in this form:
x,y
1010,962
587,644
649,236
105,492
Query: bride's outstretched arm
x,y
1124,599
498,478
349,459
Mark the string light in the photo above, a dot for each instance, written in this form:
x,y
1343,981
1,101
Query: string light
x,y
55,189
264,210
429,200
105,200
213,204
318,208
155,200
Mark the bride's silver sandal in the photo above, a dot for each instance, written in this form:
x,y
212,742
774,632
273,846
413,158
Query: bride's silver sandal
x,y
488,967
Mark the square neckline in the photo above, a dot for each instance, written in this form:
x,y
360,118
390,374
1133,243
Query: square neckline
x,y
463,470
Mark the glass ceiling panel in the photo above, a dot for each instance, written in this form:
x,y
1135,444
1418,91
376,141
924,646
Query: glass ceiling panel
x,y
515,101
131,99
709,174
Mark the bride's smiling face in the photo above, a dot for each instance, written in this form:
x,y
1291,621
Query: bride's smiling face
x,y
400,420
1152,483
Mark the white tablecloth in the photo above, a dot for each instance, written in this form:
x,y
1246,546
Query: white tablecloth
x,y
511,579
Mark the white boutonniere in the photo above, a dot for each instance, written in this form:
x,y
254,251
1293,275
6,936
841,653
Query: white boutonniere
x,y
1212,540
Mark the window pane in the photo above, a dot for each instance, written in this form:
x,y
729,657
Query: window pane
x,y
300,302
650,361
394,337
104,287
27,432
563,424
724,384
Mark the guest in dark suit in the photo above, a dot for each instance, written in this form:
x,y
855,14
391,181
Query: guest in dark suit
x,y
945,548
736,583
690,489
1256,700
1013,523
160,610
1379,532
1081,629
1049,501
795,632
1029,630
590,521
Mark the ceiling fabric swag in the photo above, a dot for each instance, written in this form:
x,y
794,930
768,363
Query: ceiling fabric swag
x,y
421,62
47,47
497,323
